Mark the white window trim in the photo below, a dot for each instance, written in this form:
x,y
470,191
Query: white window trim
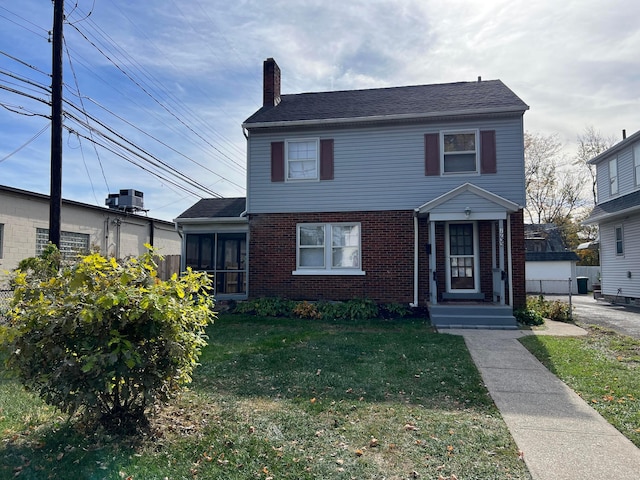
x,y
328,268
286,160
474,131
615,240
615,179
476,260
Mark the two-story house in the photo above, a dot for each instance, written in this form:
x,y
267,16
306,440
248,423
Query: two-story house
x,y
409,194
617,213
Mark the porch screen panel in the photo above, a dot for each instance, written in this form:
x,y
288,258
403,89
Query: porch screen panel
x,y
223,255
461,256
231,263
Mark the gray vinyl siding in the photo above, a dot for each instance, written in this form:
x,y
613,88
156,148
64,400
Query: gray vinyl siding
x,y
626,175
380,168
614,267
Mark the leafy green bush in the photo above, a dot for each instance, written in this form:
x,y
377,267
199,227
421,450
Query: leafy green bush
x,y
528,316
266,307
105,338
394,310
538,306
356,309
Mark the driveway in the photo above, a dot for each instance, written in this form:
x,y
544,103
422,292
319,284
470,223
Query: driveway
x,y
623,319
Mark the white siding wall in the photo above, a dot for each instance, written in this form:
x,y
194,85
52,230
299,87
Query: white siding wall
x,y
23,214
381,168
616,268
551,277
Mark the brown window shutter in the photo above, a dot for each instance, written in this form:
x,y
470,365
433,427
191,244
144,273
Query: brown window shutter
x,y
277,161
488,163
432,154
326,159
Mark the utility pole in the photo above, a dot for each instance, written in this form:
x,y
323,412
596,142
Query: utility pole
x,y
56,125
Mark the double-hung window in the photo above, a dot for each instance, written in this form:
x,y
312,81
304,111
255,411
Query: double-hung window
x,y
619,240
302,159
328,248
460,152
613,176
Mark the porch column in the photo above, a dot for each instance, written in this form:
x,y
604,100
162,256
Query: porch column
x,y
433,285
509,259
501,254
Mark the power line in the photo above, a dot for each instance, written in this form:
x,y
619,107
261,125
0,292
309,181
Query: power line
x,y
146,91
42,130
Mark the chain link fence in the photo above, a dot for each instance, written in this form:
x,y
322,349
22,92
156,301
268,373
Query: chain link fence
x,y
5,298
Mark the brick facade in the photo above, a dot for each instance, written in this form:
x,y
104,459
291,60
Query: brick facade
x,y
387,258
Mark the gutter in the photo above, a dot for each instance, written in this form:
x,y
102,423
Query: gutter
x,y
196,221
381,118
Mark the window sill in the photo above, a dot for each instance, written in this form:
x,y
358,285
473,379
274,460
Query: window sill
x,y
337,272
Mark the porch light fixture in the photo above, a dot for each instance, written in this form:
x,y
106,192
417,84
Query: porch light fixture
x,y
467,212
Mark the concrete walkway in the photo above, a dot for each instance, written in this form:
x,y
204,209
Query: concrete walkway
x,y
560,435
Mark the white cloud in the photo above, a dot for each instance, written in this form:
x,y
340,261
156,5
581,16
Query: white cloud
x,y
574,62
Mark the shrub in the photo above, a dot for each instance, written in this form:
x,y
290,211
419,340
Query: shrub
x,y
528,316
105,338
266,307
307,310
356,309
555,310
558,311
394,310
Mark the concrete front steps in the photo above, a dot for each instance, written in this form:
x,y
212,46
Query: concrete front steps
x,y
447,315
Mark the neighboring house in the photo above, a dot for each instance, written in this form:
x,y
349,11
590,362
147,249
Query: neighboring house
x,y
411,195
550,266
617,214
24,229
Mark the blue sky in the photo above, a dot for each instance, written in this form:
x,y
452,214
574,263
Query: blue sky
x,y
177,79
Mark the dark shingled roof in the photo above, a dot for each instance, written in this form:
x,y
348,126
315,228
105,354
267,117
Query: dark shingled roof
x,y
216,208
551,256
625,203
547,237
460,98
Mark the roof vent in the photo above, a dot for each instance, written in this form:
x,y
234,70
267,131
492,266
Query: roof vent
x,y
126,201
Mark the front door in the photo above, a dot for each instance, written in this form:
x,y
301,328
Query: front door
x,y
462,261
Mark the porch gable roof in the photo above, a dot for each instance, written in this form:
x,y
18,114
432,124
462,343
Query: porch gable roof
x,y
468,202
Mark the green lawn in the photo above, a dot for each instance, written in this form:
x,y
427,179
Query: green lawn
x,y
289,399
603,368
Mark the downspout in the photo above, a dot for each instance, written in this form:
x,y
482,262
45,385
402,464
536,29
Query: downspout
x,y
509,260
183,248
415,260
105,243
433,284
151,232
117,223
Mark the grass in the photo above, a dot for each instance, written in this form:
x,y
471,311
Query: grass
x,y
603,368
289,399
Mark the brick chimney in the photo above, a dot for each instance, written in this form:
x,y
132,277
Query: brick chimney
x,y
271,85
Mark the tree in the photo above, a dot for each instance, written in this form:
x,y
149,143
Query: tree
x,y
553,193
591,144
103,337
